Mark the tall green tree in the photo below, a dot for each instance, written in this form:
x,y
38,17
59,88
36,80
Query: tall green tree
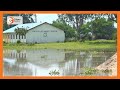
x,y
69,31
101,28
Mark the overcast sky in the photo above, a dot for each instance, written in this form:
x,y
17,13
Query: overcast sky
x,y
41,18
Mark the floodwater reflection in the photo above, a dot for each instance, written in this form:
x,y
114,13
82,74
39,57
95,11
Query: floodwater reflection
x,y
41,62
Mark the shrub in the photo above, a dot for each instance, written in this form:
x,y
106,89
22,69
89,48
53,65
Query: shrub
x,y
18,41
4,42
90,71
58,41
54,72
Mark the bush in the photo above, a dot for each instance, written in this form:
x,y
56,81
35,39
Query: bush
x,y
89,71
4,43
18,41
58,41
54,72
35,42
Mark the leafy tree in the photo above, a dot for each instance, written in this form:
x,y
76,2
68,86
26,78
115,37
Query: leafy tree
x,y
101,28
86,32
21,31
69,31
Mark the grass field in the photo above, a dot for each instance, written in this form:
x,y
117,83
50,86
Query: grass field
x,y
109,45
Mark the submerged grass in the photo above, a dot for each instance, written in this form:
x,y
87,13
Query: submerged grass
x,y
92,71
109,45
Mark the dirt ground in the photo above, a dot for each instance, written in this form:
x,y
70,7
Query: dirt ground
x,y
110,64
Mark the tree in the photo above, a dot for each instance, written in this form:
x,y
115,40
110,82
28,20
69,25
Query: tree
x,y
69,31
101,28
21,31
27,18
86,32
77,20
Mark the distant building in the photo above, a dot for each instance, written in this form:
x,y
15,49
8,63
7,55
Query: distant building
x,y
37,33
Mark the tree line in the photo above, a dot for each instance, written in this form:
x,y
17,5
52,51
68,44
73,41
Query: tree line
x,y
87,26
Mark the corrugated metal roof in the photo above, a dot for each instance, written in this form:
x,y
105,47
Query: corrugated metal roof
x,y
27,26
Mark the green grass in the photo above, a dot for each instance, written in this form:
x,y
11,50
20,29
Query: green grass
x,y
109,45
92,71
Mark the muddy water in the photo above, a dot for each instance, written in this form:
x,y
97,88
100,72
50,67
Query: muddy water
x,y
42,62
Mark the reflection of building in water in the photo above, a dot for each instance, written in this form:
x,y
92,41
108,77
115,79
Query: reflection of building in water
x,y
41,62
14,54
16,69
43,57
31,62
71,67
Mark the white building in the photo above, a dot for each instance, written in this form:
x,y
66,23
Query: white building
x,y
37,33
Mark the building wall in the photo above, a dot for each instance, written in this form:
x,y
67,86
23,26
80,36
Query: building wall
x,y
40,34
12,38
45,33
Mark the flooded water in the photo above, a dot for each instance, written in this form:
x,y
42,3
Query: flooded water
x,y
43,62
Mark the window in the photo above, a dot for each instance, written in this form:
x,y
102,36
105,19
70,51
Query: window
x,y
45,35
22,36
19,36
8,36
25,37
16,36
13,36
